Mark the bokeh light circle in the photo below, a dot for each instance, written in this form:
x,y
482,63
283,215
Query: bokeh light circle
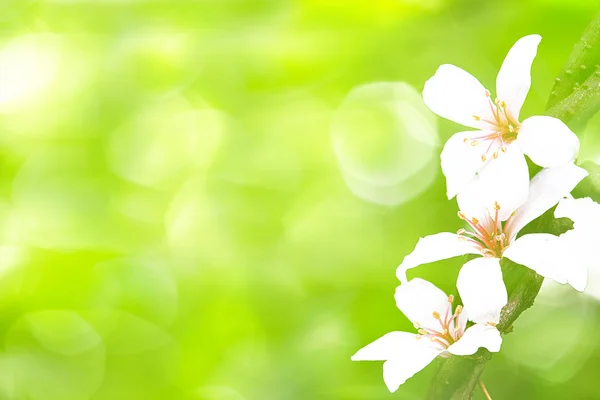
x,y
386,142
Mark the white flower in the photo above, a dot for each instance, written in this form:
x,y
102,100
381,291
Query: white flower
x,y
454,94
542,252
441,330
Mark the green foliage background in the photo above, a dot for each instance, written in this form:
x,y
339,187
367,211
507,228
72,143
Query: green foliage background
x,y
176,225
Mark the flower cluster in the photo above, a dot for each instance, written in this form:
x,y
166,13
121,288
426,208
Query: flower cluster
x,y
487,172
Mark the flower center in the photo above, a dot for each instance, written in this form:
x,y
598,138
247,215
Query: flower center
x,y
489,236
504,129
449,329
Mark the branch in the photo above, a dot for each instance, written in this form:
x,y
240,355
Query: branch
x,y
582,103
582,62
575,98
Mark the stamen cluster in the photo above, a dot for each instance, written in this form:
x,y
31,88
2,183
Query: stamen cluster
x,y
490,237
450,329
505,128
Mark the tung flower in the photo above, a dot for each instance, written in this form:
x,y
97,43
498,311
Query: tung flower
x,y
495,149
489,237
441,330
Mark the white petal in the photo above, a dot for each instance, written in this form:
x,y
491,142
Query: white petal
x,y
543,253
461,161
505,181
514,79
390,345
548,141
479,335
418,299
471,202
581,242
482,289
581,211
463,318
578,276
547,188
396,371
584,256
454,94
406,354
434,248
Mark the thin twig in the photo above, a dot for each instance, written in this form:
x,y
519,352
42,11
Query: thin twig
x,y
484,390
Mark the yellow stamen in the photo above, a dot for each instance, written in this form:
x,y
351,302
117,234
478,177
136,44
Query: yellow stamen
x,y
436,315
483,157
450,298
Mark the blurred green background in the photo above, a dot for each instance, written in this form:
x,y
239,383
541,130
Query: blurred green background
x,y
207,199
